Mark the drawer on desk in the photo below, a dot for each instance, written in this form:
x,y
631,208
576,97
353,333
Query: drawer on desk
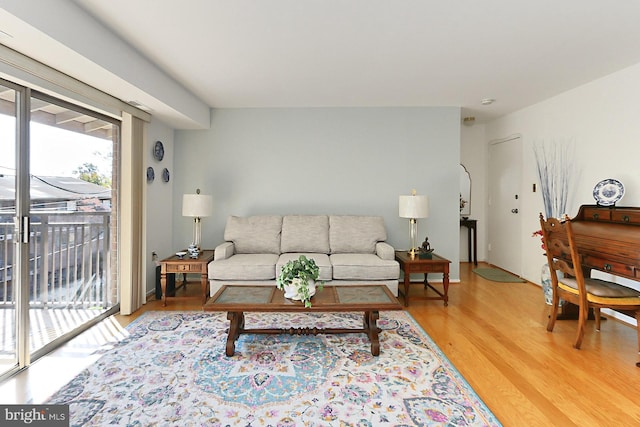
x,y
183,268
609,266
597,214
626,216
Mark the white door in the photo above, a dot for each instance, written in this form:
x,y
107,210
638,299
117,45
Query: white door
x,y
505,184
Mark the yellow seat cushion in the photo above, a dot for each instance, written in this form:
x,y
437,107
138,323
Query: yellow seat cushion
x,y
602,292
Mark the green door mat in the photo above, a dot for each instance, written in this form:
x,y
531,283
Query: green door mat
x,y
497,275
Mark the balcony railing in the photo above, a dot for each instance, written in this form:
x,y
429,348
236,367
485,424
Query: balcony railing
x,y
68,260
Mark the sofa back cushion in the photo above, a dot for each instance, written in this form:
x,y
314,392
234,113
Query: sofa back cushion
x,y
305,233
254,234
355,234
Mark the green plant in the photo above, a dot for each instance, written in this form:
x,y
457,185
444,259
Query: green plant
x,y
297,273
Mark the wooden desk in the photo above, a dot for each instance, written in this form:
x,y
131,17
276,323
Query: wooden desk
x,y
471,229
424,263
608,240
175,264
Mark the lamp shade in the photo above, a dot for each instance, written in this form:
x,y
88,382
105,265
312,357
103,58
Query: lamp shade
x,y
197,205
413,207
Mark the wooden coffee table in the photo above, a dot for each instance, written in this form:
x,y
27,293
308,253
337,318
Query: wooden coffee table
x,y
238,299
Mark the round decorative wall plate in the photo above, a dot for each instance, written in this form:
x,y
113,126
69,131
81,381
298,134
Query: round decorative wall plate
x,y
165,175
158,151
608,191
150,174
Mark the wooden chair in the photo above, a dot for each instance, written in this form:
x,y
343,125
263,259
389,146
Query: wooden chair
x,y
585,292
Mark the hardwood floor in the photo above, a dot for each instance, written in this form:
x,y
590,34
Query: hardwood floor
x,y
494,333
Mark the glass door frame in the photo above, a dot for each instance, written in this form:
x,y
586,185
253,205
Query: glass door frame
x,y
21,225
18,256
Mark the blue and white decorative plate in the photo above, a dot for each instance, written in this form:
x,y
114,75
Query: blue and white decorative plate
x,y
158,151
150,174
608,191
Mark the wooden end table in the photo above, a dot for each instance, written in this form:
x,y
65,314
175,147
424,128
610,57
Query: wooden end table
x,y
424,263
184,265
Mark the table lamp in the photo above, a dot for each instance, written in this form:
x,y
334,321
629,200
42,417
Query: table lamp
x,y
413,207
197,206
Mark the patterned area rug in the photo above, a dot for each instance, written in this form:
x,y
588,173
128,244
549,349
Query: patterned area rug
x,y
171,370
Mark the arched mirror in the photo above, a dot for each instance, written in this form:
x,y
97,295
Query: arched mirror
x,y
465,192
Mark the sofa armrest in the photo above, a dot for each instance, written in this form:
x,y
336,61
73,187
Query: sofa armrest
x,y
385,251
224,251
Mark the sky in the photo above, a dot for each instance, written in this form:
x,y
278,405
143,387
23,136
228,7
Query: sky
x,y
54,151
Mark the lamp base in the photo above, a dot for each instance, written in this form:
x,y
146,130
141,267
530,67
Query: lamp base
x,y
197,233
194,251
413,232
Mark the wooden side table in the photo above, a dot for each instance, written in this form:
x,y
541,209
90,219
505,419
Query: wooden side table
x,y
424,263
184,265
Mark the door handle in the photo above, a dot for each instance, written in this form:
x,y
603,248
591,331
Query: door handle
x,y
514,210
21,228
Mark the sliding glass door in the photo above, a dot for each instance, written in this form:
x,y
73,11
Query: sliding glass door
x,y
71,171
56,207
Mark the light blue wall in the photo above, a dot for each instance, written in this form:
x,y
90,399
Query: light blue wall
x,y
324,160
157,212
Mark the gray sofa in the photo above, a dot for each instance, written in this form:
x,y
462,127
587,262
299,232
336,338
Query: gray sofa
x,y
348,249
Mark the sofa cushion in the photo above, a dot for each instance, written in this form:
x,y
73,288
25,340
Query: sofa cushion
x,y
305,233
355,234
322,261
254,234
363,267
244,267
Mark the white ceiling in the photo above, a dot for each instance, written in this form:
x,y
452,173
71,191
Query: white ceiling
x,y
309,53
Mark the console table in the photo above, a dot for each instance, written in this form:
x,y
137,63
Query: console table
x,y
471,229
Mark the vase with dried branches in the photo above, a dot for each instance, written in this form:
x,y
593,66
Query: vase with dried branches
x,y
556,172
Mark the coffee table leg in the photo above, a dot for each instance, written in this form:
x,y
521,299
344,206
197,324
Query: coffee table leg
x,y
236,325
371,327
